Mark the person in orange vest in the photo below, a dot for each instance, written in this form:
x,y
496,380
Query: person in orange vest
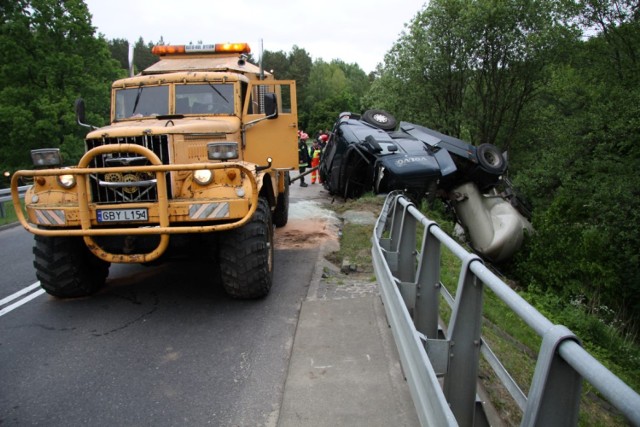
x,y
315,152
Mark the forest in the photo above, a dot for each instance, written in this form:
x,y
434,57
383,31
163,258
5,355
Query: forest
x,y
553,83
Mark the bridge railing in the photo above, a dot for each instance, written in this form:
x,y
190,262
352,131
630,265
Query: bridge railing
x,y
442,367
5,196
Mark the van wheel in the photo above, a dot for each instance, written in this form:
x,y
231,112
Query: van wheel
x,y
281,213
66,268
246,256
491,159
380,119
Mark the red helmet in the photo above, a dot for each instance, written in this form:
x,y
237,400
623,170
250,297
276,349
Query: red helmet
x,y
324,137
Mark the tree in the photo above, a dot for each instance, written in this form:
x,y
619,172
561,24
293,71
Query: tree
x,y
469,67
300,64
581,171
425,74
276,63
142,56
511,44
120,52
333,88
50,58
323,89
617,23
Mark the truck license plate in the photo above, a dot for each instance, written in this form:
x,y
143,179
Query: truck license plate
x,y
122,215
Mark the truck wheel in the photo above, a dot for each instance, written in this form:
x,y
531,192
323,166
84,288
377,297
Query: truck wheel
x,y
281,213
380,119
491,159
66,268
246,256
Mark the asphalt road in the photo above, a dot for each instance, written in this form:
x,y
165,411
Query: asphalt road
x,y
158,346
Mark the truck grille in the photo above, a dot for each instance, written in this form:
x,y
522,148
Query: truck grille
x,y
101,192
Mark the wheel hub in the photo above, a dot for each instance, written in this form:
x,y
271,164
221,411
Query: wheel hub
x,y
380,118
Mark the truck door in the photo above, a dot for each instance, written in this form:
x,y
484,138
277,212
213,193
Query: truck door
x,y
278,137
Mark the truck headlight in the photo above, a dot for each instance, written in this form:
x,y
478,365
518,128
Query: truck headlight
x,y
222,150
66,181
202,176
46,157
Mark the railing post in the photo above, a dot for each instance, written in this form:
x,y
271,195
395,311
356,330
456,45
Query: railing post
x,y
431,407
394,224
397,218
407,248
554,396
428,283
464,335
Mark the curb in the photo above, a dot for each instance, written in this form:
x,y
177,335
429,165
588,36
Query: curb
x,y
10,225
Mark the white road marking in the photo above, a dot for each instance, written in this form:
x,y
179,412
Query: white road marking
x,y
22,301
20,292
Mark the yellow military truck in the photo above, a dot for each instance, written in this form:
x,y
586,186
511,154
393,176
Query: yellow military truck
x,y
195,164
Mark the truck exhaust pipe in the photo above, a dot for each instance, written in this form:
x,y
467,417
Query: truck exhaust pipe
x,y
130,57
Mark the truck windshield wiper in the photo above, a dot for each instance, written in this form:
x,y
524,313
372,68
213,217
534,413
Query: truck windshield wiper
x,y
218,92
135,104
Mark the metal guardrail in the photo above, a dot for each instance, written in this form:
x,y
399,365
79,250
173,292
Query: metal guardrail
x,y
5,196
410,285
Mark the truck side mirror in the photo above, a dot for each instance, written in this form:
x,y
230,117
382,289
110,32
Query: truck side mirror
x,y
79,107
80,116
270,105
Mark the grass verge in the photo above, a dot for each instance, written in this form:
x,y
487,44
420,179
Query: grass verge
x,y
355,240
9,216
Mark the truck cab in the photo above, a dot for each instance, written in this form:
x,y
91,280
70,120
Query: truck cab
x,y
194,163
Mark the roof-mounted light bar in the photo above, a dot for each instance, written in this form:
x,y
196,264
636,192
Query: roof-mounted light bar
x,y
201,48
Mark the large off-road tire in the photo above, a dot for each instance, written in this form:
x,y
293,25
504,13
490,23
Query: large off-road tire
x,y
281,213
380,119
246,256
66,268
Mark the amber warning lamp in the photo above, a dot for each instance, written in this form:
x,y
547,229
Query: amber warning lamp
x,y
201,48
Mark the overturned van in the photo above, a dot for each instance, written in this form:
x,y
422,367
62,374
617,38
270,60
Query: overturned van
x,y
372,152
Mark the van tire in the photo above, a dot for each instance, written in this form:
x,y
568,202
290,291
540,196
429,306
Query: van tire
x,y
66,268
491,159
380,119
246,256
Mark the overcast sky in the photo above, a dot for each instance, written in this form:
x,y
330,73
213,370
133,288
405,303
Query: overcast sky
x,y
355,31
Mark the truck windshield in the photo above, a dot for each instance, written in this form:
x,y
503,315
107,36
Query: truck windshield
x,y
143,101
207,98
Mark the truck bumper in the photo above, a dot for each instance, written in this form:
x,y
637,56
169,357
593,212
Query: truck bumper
x,y
72,213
